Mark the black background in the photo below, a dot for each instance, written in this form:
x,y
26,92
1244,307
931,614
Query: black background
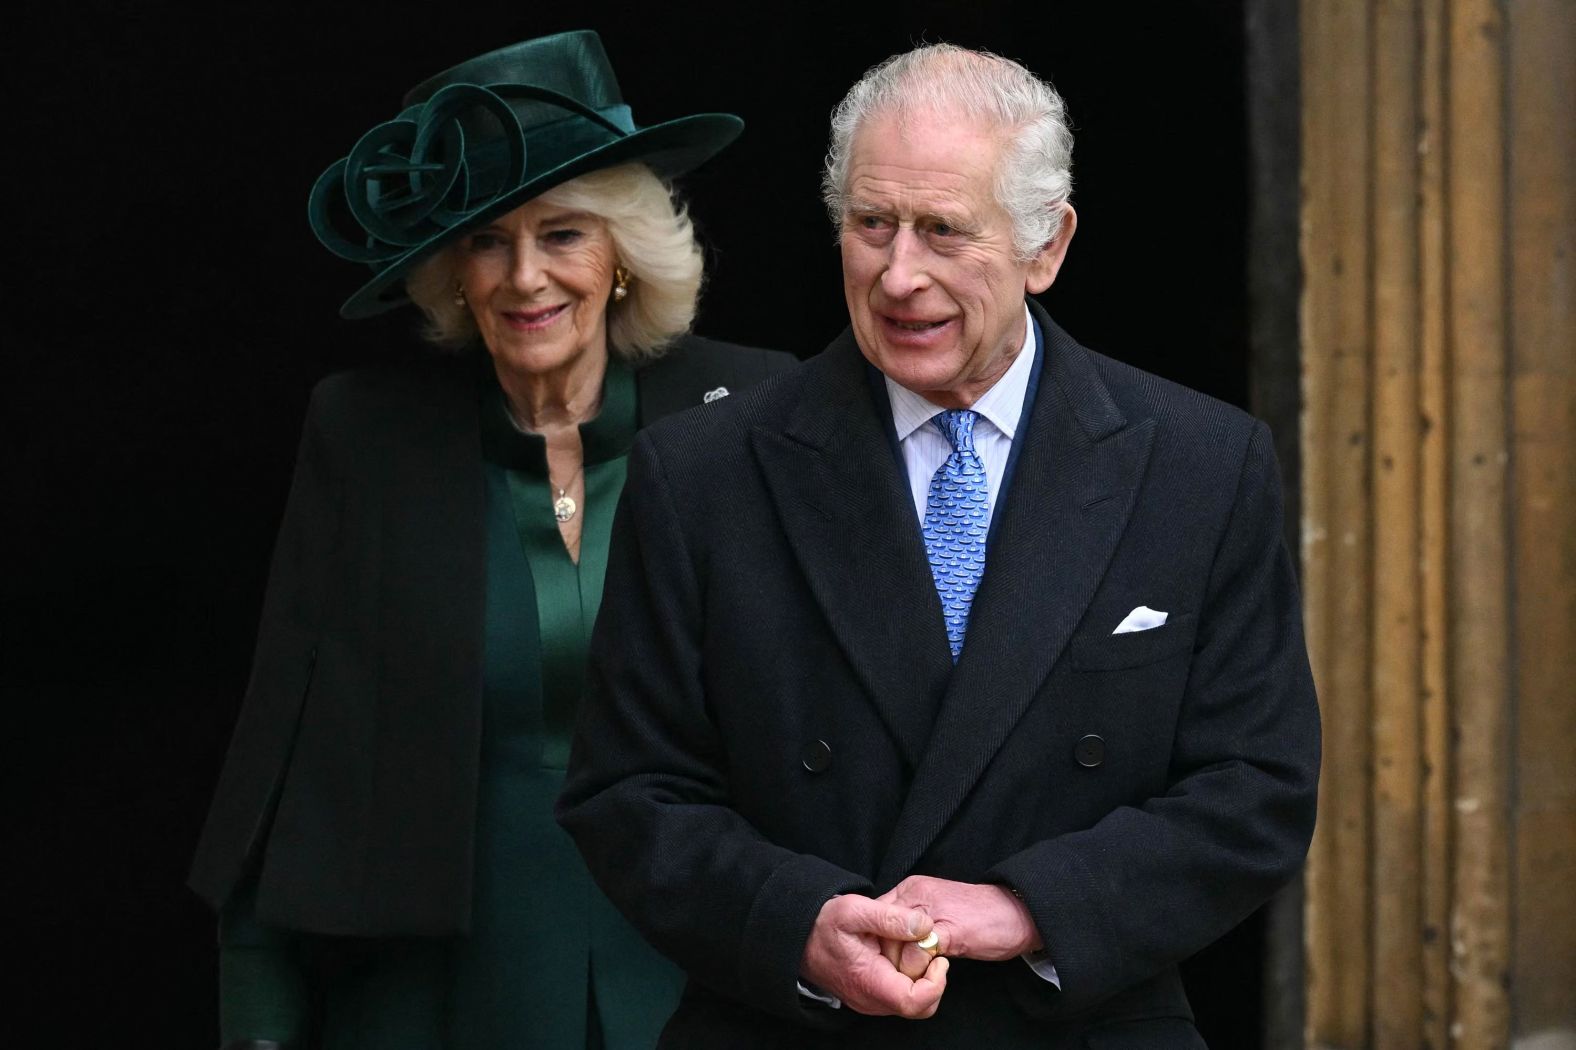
x,y
169,312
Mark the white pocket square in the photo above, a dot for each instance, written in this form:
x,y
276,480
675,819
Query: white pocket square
x,y
1142,618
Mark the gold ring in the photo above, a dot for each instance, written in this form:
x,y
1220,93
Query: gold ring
x,y
931,944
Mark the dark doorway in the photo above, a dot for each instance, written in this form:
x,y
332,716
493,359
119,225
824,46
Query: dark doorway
x,y
174,313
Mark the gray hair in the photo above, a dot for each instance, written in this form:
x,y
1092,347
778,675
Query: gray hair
x,y
1034,180
653,238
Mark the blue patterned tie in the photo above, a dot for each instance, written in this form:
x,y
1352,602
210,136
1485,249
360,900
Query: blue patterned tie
x,y
957,520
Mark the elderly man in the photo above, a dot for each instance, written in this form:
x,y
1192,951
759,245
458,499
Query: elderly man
x,y
956,676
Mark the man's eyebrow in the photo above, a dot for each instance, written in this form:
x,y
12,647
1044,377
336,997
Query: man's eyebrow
x,y
958,222
855,206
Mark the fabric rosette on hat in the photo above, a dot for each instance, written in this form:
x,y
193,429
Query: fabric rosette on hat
x,y
480,139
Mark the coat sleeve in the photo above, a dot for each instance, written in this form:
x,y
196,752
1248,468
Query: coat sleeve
x,y
646,798
1151,884
282,667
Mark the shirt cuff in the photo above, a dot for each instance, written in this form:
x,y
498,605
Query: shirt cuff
x,y
830,1000
1040,963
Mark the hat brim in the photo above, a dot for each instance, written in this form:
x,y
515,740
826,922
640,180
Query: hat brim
x,y
670,149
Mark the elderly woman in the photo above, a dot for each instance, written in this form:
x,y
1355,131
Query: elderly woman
x,y
381,845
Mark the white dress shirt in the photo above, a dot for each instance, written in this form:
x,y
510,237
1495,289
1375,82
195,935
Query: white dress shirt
x,y
925,448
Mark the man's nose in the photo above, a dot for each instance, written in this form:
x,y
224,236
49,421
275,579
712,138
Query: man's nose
x,y
907,259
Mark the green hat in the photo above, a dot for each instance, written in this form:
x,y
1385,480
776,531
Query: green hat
x,y
479,140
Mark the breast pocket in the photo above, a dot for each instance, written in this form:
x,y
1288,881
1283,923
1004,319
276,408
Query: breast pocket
x,y
1115,652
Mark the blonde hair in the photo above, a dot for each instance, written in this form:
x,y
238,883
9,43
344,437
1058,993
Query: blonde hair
x,y
653,239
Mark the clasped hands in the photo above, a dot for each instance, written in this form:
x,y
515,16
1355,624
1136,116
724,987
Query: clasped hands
x,y
865,950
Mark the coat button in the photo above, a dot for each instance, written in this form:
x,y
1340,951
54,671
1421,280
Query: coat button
x,y
817,756
1090,751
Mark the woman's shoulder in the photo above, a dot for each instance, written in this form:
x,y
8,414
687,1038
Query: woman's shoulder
x,y
697,351
393,385
382,415
697,370
393,391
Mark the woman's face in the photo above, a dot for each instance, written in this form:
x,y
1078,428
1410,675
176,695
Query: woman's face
x,y
537,280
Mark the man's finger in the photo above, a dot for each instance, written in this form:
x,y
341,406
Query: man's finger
x,y
924,996
888,921
881,990
913,961
893,950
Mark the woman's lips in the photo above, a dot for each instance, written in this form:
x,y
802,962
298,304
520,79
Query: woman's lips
x,y
532,320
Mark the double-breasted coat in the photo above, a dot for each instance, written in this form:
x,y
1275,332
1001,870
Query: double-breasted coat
x,y
774,716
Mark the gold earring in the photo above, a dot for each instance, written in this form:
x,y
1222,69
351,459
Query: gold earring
x,y
621,289
459,294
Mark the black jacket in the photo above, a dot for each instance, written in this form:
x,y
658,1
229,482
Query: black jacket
x,y
352,774
773,716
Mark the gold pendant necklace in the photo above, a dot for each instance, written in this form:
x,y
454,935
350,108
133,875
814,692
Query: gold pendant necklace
x,y
564,507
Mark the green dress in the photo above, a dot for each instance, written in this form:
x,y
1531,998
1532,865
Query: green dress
x,y
548,961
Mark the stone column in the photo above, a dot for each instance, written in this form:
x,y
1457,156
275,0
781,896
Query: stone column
x,y
1439,519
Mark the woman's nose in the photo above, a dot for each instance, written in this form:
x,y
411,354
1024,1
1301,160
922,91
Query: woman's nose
x,y
526,273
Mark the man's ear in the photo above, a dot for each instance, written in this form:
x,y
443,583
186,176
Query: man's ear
x,y
1045,266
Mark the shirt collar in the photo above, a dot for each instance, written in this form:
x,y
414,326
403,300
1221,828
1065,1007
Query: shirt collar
x,y
1001,405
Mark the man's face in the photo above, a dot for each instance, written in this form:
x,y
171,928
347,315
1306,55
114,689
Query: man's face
x,y
934,290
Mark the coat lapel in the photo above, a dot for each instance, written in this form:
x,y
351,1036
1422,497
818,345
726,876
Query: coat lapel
x,y
1071,495
849,518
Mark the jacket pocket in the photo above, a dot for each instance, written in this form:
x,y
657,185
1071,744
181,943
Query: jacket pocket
x,y
1113,652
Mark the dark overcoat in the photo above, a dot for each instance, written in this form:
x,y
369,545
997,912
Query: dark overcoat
x,y
351,780
774,717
